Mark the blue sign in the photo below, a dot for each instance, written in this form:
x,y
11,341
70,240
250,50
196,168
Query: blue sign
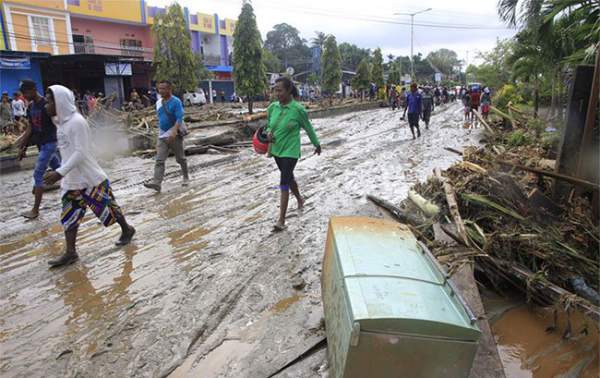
x,y
15,63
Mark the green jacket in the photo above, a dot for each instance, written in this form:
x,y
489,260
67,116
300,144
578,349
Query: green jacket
x,y
284,122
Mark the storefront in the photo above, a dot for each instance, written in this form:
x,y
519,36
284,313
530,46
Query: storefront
x,y
98,74
18,66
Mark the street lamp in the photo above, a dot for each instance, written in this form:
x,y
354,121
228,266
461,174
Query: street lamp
x,y
412,22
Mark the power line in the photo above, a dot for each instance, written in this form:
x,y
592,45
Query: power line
x,y
379,19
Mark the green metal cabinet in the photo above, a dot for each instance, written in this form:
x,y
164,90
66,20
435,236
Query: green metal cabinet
x,y
389,309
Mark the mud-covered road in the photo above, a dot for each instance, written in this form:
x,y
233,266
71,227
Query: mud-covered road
x,y
206,289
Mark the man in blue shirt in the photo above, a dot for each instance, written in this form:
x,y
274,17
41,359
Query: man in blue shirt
x,y
414,105
170,135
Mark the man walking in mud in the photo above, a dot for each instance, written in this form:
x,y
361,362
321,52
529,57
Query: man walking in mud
x,y
428,106
414,106
40,132
84,183
170,135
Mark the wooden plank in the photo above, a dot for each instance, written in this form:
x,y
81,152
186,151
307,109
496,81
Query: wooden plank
x,y
453,207
568,153
487,361
484,123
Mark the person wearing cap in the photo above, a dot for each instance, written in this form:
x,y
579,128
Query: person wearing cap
x,y
285,118
84,183
40,132
414,107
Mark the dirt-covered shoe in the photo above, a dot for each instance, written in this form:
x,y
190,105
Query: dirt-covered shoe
x,y
185,181
126,237
153,186
69,257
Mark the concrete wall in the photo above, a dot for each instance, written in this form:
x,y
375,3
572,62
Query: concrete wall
x,y
107,35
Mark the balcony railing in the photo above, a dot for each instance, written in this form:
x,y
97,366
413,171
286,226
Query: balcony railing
x,y
212,60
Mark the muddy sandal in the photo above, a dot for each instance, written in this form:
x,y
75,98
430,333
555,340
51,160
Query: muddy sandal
x,y
30,215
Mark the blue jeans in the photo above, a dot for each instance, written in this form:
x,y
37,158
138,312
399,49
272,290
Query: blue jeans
x,y
48,156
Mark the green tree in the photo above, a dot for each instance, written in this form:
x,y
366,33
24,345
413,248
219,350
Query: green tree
x,y
285,43
377,69
319,40
173,56
312,79
394,74
352,55
248,66
272,63
362,79
331,68
444,60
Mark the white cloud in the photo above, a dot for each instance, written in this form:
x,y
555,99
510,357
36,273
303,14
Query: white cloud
x,y
354,22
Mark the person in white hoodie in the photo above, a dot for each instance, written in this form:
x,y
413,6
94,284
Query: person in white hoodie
x,y
84,184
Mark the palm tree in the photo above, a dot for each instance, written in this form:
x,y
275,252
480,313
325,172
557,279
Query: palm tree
x,y
319,40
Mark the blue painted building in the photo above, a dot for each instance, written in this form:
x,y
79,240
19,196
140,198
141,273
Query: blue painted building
x,y
17,66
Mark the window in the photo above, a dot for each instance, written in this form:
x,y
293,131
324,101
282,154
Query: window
x,y
194,19
222,24
131,47
83,44
73,2
41,30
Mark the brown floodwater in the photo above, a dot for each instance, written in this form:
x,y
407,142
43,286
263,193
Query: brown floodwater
x,y
532,345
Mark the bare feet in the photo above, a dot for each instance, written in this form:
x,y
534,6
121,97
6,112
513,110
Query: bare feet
x,y
301,201
31,214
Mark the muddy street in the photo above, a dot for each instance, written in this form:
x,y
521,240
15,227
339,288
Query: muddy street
x,y
206,289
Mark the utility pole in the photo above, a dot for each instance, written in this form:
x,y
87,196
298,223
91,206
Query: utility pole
x,y
412,36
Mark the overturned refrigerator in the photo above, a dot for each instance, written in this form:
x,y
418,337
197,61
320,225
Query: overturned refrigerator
x,y
389,309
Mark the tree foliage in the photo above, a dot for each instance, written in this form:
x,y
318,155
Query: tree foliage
x,y
272,63
285,43
331,69
444,60
362,79
248,66
319,40
393,74
352,55
174,59
377,69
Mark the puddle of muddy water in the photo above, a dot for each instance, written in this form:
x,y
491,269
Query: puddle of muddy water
x,y
527,347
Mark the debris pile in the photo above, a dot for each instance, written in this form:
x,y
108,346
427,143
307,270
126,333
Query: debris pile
x,y
507,220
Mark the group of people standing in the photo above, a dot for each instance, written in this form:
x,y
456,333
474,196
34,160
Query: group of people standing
x,y
474,99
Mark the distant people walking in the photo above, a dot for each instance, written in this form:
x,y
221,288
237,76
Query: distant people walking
x,y
428,106
285,118
475,96
170,137
214,95
40,132
414,106
84,183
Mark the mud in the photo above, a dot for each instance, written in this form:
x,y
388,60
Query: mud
x,y
206,289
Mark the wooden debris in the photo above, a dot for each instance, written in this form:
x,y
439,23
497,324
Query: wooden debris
x,y
453,207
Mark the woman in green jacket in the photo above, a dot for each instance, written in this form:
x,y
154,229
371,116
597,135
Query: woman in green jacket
x,y
285,118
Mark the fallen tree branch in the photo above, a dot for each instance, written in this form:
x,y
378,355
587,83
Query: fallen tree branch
x,y
453,207
558,176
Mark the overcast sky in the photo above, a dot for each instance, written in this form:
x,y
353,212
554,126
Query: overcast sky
x,y
372,23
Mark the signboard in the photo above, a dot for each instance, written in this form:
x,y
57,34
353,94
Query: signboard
x,y
117,69
438,77
15,63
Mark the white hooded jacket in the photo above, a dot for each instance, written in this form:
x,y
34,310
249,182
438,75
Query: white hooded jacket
x,y
79,168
